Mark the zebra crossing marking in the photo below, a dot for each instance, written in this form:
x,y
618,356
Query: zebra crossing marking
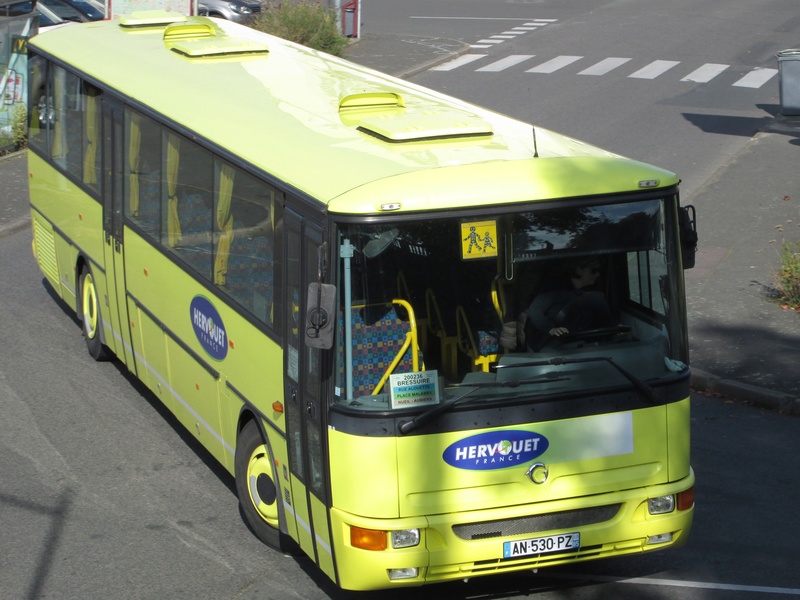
x,y
604,66
505,63
756,78
705,73
654,69
458,61
528,26
554,64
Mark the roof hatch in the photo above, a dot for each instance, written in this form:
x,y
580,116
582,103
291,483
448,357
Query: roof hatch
x,y
425,124
199,37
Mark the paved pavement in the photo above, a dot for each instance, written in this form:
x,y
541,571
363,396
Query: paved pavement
x,y
744,346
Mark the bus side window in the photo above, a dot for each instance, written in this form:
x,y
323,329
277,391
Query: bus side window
x,y
143,202
193,195
245,217
40,103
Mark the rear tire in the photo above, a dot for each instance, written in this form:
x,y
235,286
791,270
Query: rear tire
x,y
257,488
91,319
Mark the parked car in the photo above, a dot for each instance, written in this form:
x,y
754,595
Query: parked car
x,y
63,10
92,9
240,11
48,19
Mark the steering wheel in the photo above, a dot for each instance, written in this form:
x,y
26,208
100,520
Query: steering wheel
x,y
596,335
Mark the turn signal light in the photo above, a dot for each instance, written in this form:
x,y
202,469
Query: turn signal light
x,y
686,499
367,539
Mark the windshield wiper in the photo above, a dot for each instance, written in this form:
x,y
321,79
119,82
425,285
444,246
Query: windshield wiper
x,y
432,413
648,392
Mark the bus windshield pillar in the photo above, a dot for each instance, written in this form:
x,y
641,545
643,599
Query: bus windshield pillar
x,y
346,252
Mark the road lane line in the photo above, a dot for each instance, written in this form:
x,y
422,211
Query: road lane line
x,y
678,583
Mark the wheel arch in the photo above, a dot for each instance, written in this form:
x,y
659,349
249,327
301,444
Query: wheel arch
x,y
247,415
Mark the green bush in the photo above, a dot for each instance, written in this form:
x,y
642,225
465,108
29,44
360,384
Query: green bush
x,y
304,22
788,278
19,127
15,137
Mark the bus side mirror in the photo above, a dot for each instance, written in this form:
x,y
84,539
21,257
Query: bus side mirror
x,y
320,311
687,221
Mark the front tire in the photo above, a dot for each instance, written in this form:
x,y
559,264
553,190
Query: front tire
x,y
257,488
91,319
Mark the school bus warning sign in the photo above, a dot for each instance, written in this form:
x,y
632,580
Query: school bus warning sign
x,y
478,239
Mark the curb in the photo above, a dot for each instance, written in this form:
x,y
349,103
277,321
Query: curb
x,y
12,155
15,226
745,392
421,68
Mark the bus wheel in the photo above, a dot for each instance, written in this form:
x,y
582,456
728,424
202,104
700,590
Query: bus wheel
x,y
90,316
256,487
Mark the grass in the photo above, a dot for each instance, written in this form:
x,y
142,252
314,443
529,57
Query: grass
x,y
305,22
787,280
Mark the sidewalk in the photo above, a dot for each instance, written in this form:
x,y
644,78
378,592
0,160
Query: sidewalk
x,y
743,344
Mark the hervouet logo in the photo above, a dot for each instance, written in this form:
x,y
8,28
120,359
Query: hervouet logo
x,y
495,450
208,327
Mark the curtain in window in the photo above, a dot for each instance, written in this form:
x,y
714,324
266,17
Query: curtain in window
x,y
224,223
91,130
59,148
134,145
173,162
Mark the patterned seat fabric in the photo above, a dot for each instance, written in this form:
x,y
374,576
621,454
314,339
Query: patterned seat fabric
x,y
375,346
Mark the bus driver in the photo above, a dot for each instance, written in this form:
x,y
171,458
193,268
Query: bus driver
x,y
573,304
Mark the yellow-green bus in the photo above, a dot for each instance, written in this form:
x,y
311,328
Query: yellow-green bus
x,y
333,278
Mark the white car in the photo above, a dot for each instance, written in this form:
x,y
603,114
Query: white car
x,y
240,11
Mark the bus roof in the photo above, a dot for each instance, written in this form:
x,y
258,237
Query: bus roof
x,y
352,138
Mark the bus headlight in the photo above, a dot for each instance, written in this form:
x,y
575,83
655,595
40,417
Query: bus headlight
x,y
405,538
661,505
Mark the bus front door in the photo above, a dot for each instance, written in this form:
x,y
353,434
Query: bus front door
x,y
115,304
305,398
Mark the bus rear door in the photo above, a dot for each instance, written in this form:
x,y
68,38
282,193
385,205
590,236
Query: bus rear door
x,y
116,307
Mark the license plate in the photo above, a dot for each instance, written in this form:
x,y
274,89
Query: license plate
x,y
542,545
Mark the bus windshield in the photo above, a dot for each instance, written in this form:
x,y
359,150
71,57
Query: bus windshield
x,y
533,304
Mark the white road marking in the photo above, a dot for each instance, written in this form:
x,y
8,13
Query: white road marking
x,y
458,61
555,64
756,78
604,66
654,69
705,73
505,63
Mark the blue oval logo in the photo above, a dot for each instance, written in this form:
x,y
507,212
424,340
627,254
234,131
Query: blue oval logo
x,y
495,450
208,327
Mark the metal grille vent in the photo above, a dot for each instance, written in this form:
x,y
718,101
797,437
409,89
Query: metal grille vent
x,y
46,251
536,523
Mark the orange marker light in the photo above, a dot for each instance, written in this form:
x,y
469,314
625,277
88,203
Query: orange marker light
x,y
686,499
277,407
367,539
